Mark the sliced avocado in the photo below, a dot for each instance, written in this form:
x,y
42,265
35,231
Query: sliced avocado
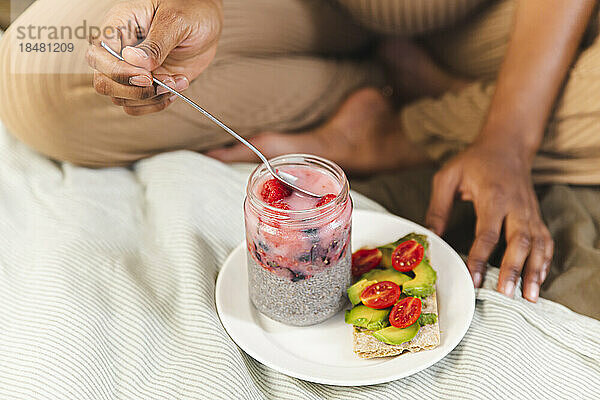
x,y
387,249
368,318
393,335
374,276
388,274
355,290
424,282
427,319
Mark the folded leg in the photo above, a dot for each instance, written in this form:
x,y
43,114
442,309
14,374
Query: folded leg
x,y
268,74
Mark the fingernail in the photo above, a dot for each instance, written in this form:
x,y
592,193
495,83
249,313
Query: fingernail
x,y
140,80
533,291
477,279
167,81
173,98
181,83
509,289
544,272
141,53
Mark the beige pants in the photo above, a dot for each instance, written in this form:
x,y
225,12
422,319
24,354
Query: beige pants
x,y
271,72
286,65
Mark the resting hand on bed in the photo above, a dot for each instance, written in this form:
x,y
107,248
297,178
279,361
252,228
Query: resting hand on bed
x,y
172,40
495,171
500,187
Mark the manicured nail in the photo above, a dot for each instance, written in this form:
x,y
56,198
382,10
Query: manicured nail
x,y
140,80
141,53
181,82
173,98
533,291
509,289
477,279
167,81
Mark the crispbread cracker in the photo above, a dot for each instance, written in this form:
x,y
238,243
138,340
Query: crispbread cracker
x,y
428,337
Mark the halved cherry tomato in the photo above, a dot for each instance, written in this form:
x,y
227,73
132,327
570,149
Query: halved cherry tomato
x,y
406,312
380,295
364,260
407,256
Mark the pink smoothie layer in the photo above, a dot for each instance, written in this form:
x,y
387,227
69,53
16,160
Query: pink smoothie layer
x,y
301,251
309,178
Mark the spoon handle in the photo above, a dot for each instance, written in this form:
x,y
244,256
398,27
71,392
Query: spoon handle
x,y
226,128
202,110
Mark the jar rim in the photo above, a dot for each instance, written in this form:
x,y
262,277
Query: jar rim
x,y
305,160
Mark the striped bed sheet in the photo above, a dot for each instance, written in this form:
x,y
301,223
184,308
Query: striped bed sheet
x,y
107,282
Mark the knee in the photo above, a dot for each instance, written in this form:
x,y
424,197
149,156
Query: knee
x,y
55,114
19,110
27,114
33,116
47,99
41,115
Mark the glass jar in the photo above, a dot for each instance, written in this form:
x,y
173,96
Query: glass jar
x,y
299,261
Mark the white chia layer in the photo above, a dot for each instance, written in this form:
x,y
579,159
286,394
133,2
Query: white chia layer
x,y
304,302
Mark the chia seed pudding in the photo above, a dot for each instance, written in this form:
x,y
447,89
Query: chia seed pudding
x,y
299,256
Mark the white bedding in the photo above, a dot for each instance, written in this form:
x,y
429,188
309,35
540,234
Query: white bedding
x,y
107,292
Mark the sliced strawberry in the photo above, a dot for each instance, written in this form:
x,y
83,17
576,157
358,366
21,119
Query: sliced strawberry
x,y
273,191
280,204
326,199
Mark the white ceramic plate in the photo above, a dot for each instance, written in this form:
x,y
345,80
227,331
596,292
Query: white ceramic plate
x,y
323,353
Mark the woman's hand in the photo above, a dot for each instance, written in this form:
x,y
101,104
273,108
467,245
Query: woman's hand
x,y
172,40
494,172
499,185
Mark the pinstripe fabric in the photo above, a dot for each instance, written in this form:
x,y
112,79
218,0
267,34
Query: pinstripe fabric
x,y
107,293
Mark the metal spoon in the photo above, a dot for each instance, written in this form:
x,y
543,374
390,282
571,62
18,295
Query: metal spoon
x,y
283,177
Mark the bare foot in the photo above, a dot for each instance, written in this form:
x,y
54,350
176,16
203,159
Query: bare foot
x,y
363,136
414,73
